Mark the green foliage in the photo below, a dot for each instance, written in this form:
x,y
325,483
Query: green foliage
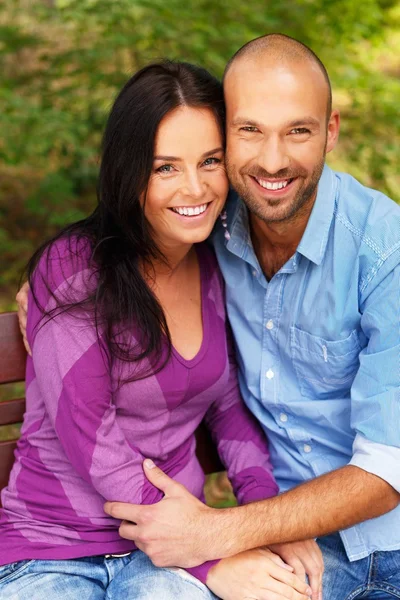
x,y
62,62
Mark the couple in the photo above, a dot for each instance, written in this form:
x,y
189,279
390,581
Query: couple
x,y
130,351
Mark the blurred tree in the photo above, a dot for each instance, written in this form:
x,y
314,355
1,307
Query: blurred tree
x,y
62,62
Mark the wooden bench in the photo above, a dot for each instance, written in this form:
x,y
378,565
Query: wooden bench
x,y
12,369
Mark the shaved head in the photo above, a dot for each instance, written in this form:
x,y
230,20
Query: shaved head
x,y
280,50
279,124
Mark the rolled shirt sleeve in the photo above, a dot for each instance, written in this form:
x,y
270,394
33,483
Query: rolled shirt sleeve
x,y
378,459
375,393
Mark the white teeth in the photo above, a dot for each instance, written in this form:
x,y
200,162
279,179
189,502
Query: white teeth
x,y
278,185
190,211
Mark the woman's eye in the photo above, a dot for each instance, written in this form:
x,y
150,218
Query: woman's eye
x,y
165,169
209,162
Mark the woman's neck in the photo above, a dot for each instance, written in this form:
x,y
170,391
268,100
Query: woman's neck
x,y
175,261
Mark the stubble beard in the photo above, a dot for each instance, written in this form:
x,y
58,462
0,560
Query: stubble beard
x,y
300,204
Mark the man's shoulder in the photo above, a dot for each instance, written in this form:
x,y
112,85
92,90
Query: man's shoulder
x,y
368,215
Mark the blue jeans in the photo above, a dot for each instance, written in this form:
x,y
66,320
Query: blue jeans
x,y
131,577
376,577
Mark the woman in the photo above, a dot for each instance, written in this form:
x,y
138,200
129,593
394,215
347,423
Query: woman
x,y
129,353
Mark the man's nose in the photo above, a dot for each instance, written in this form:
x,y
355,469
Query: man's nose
x,y
273,156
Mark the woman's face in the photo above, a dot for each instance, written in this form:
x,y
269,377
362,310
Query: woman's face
x,y
188,185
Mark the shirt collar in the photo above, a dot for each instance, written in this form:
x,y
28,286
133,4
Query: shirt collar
x,y
315,237
313,243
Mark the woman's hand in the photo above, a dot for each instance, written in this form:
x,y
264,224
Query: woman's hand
x,y
22,301
306,559
256,575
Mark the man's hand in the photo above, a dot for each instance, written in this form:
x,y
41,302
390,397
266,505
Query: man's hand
x,y
22,301
257,575
306,559
178,531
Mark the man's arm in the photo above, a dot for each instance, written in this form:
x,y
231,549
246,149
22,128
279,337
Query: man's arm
x,y
180,530
323,505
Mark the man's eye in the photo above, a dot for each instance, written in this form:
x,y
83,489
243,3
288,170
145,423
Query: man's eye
x,y
165,169
300,130
211,161
248,128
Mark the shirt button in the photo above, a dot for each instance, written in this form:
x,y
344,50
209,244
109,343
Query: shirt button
x,y
269,374
283,417
307,448
270,324
254,273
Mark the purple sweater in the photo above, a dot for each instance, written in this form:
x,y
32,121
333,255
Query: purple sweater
x,y
84,436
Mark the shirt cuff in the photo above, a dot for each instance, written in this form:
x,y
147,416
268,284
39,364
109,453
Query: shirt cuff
x,y
258,492
201,571
378,459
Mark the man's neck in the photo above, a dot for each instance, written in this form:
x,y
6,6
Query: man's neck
x,y
275,242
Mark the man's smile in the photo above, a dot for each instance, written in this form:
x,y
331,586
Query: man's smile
x,y
278,187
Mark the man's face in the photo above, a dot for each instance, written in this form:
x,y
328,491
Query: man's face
x,y
277,136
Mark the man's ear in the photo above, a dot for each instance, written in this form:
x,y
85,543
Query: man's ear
x,y
333,130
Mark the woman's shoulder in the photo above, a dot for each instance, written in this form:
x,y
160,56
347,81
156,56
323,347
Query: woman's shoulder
x,y
67,259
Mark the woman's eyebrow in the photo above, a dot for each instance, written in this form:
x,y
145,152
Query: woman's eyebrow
x,y
172,158
177,158
210,152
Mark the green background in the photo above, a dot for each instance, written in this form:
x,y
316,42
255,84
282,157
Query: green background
x,y
61,63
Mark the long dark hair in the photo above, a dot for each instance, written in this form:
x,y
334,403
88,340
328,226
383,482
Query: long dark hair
x,y
118,233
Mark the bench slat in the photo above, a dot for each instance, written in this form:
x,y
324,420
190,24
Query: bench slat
x,y
12,351
12,411
6,461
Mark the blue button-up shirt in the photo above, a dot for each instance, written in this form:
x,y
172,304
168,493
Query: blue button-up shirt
x,y
319,344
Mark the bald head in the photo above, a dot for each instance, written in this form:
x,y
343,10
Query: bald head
x,y
277,49
279,126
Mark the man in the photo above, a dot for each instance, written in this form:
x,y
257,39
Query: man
x,y
312,271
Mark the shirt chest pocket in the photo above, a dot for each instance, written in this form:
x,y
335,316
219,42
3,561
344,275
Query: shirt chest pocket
x,y
325,369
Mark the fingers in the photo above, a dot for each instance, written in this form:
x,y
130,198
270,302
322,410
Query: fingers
x,y
22,297
276,559
313,564
160,480
280,591
315,573
306,558
22,301
316,585
284,576
26,344
299,569
125,511
128,531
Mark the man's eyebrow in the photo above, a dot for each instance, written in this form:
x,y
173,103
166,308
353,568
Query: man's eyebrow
x,y
177,158
246,122
310,121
